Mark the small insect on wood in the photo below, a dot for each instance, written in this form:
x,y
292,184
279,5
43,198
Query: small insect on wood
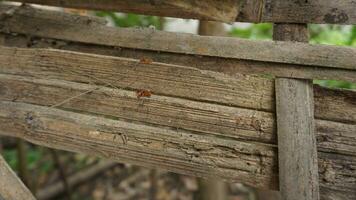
x,y
143,93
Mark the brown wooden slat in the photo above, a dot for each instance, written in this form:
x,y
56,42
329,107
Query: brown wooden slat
x,y
242,126
226,10
170,80
177,150
291,11
206,118
148,39
309,61
297,146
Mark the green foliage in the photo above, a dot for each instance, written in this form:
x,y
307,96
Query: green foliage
x,y
34,156
333,35
255,31
131,20
11,157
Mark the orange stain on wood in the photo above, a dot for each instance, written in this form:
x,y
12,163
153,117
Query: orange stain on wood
x,y
146,61
143,93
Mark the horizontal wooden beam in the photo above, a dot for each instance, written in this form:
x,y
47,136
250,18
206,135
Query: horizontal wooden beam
x,y
207,118
283,59
240,90
170,80
178,102
225,11
177,150
316,11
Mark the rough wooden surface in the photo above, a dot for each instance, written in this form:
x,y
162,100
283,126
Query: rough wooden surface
x,y
297,154
169,80
289,59
176,150
173,149
212,189
336,141
225,11
11,186
299,11
207,118
297,147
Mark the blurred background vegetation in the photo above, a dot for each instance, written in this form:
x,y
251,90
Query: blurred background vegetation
x,y
38,158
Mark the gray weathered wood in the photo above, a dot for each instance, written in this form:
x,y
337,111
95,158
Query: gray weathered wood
x,y
298,177
291,59
206,118
297,148
169,80
11,186
176,150
300,11
225,11
212,189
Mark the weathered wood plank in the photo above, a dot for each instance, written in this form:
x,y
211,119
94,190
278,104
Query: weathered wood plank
x,y
292,59
177,113
170,80
225,11
175,150
11,186
206,118
212,189
297,154
297,147
316,11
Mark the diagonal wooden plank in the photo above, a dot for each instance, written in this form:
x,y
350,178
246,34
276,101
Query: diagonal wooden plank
x,y
11,186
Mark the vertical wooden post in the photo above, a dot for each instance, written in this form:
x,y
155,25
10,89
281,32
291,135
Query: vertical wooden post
x,y
212,189
11,186
298,166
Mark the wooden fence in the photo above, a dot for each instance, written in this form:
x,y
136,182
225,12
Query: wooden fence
x,y
196,105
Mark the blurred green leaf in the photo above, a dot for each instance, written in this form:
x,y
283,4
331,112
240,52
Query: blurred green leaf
x,y
131,20
254,31
11,158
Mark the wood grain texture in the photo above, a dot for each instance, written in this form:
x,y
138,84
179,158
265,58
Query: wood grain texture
x,y
217,10
207,118
176,150
172,149
297,147
298,167
212,189
11,186
119,101
291,11
292,59
170,80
